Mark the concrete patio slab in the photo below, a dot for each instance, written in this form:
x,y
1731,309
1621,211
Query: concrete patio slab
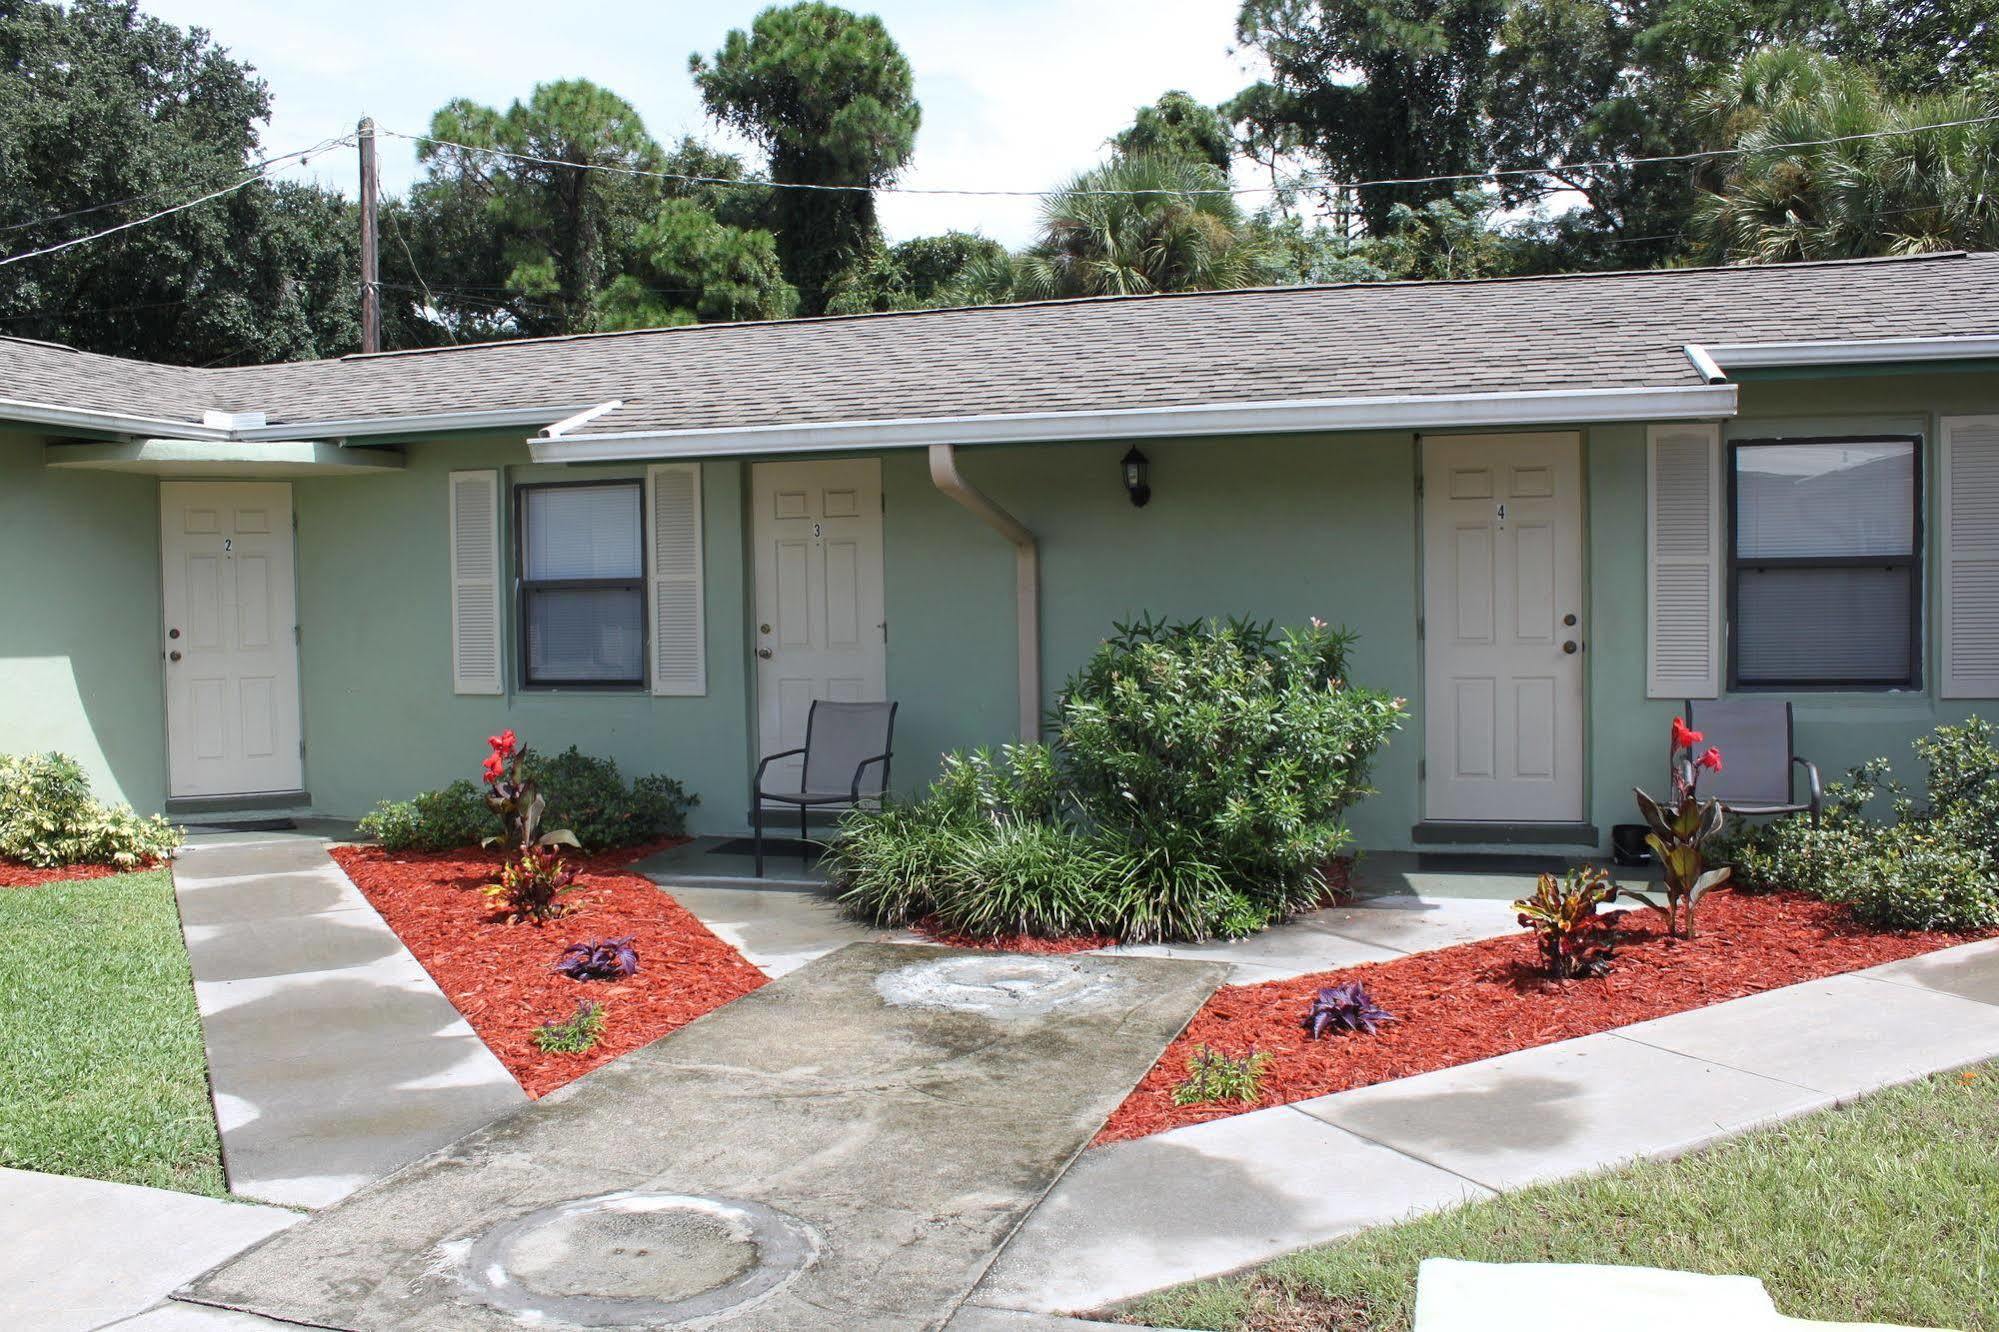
x,y
1844,1035
1561,1109
1294,948
1137,1215
333,1057
974,1318
83,1253
1409,924
847,1146
1970,971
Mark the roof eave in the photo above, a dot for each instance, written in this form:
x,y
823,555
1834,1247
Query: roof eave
x,y
1413,412
1854,351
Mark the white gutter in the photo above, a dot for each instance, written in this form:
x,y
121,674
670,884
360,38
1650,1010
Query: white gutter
x,y
1421,412
499,418
1703,364
1871,351
945,476
117,423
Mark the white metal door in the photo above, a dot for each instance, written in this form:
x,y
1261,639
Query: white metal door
x,y
821,631
230,643
1503,632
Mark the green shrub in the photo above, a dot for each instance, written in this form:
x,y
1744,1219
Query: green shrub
x,y
576,1034
1926,866
1217,1075
1200,787
1225,748
585,795
48,818
433,820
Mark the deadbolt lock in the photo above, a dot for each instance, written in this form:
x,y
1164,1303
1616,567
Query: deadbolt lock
x,y
1569,619
763,628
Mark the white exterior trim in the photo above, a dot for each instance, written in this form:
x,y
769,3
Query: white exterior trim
x,y
498,418
569,423
1875,351
117,423
1425,412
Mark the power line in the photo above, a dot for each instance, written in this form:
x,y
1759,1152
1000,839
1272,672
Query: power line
x,y
263,171
1492,173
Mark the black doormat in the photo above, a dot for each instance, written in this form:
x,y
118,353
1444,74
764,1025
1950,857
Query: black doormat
x,y
240,825
774,848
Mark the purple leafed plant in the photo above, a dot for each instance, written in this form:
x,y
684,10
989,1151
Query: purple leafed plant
x,y
1345,1007
599,959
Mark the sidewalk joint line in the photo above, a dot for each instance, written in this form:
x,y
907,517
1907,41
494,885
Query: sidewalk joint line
x,y
1623,1034
1403,1152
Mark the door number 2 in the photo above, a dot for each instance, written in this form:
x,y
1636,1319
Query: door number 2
x,y
228,544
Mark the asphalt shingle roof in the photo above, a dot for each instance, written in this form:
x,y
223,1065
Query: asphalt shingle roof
x,y
1610,330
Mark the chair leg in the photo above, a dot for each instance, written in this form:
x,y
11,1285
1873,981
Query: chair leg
x,y
804,846
757,828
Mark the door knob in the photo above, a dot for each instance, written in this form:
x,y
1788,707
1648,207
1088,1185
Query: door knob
x,y
1570,647
174,655
764,653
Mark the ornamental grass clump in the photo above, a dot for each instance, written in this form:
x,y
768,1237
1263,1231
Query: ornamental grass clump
x,y
1563,915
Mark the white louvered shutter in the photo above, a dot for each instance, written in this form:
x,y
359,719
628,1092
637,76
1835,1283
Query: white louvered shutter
x,y
1970,557
1683,561
475,582
673,577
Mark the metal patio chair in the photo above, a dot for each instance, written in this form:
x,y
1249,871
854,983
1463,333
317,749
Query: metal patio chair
x,y
1754,737
846,761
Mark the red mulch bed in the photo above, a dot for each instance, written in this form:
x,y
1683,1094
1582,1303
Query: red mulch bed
x,y
500,976
1476,1000
13,874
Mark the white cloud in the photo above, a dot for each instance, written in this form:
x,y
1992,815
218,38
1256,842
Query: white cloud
x,y
1015,95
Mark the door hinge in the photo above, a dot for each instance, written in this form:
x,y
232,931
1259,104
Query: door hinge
x,y
301,748
1419,485
1422,769
298,634
1419,629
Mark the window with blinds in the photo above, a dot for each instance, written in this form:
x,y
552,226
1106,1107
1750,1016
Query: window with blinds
x,y
1825,567
582,584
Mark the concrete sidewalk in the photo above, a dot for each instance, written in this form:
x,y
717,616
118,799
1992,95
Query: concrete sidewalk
x,y
846,1147
81,1253
333,1056
1208,1199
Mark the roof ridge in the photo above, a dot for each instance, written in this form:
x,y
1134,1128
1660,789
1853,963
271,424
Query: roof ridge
x,y
1293,288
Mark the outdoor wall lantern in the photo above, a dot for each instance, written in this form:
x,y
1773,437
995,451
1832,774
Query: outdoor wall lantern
x,y
1135,465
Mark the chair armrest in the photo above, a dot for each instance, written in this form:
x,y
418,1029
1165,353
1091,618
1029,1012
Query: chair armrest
x,y
1812,780
862,767
757,782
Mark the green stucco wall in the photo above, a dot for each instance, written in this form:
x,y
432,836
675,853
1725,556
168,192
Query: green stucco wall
x,y
80,621
1271,528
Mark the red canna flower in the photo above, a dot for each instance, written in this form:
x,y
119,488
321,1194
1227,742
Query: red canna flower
x,y
493,767
1683,736
1711,760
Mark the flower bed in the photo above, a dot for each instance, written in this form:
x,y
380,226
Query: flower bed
x,y
502,977
1477,1000
13,874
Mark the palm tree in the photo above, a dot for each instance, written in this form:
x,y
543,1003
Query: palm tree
x,y
1142,223
1907,189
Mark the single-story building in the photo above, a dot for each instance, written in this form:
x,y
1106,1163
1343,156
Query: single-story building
x,y
1552,507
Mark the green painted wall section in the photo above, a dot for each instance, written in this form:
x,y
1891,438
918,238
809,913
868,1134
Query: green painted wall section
x,y
1271,528
374,602
80,621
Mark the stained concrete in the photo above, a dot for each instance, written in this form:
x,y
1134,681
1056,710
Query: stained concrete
x,y
1138,1215
1970,972
332,1055
83,1253
777,930
908,1139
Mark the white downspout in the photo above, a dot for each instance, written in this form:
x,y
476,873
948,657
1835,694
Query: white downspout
x,y
1027,577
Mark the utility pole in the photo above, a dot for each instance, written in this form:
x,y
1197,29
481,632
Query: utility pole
x,y
371,263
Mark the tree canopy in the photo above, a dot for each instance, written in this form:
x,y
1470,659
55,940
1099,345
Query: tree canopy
x,y
830,98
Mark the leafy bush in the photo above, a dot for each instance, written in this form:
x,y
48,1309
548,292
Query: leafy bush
x,y
1345,1007
1928,866
575,1034
48,818
1563,914
432,821
584,794
1228,746
1203,774
1216,1075
600,959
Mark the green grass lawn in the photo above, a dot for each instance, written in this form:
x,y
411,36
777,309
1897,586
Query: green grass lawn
x,y
103,1073
1882,1211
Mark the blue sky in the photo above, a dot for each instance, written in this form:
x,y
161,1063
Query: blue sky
x,y
1015,95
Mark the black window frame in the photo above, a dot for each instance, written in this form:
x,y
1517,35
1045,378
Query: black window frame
x,y
524,587
1913,562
